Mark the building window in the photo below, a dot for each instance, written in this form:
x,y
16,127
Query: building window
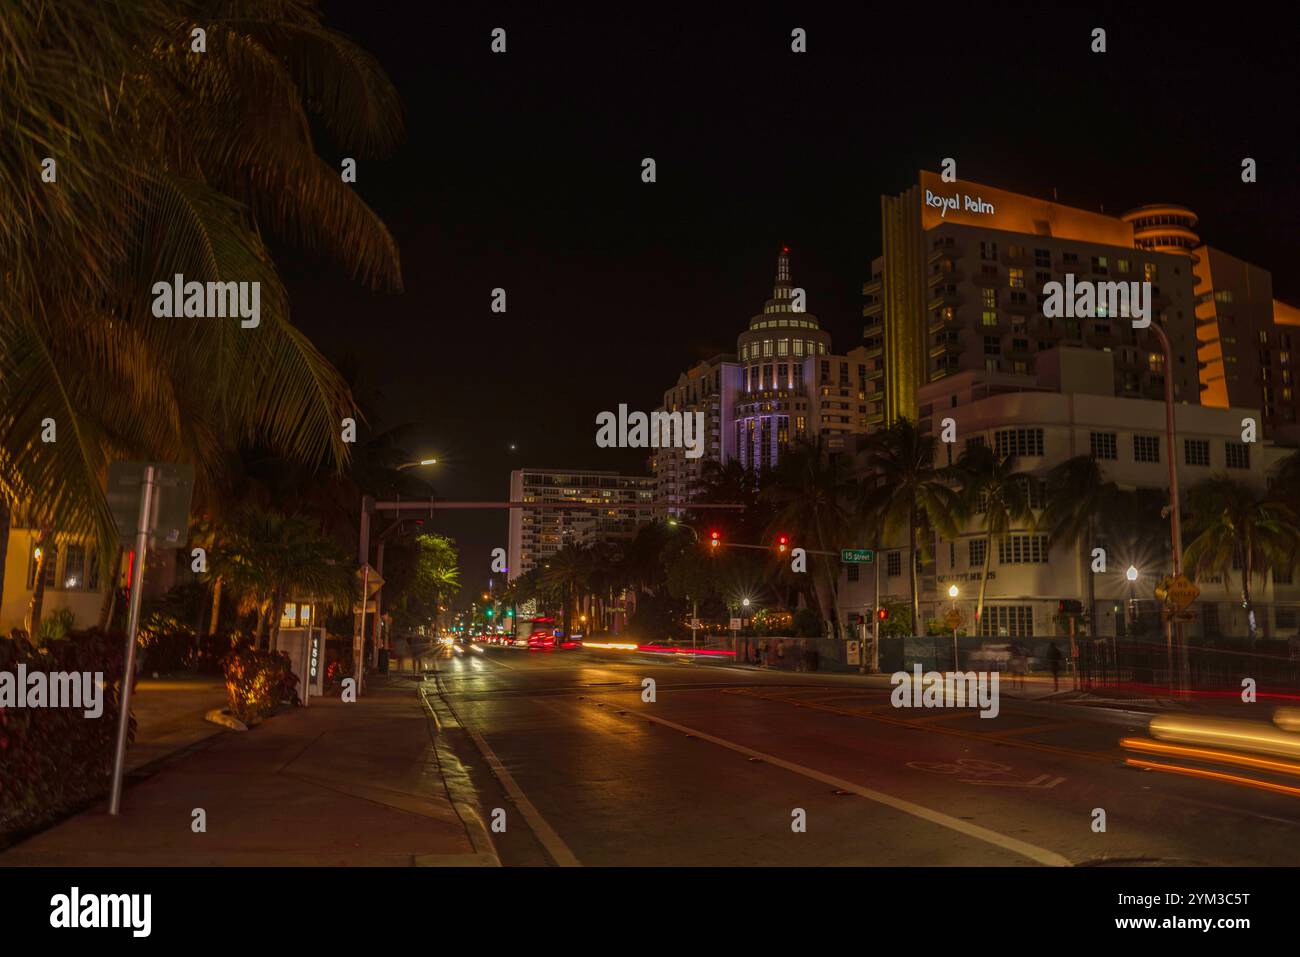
x,y
798,347
894,564
1146,448
992,346
1149,272
783,347
988,250
978,549
1104,445
853,573
1196,451
1007,621
1099,265
1156,362
1022,550
1016,278
1017,442
74,567
1237,455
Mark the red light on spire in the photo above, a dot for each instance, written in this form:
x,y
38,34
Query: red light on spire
x,y
785,249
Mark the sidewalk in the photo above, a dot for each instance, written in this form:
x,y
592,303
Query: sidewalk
x,y
169,716
332,784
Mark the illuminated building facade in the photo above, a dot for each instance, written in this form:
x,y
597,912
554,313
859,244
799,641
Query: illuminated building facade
x,y
782,383
537,534
960,287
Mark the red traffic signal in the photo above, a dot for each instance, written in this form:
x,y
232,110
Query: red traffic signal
x,y
882,614
715,539
781,543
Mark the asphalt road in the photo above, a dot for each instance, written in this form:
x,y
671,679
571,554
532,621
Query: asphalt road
x,y
722,766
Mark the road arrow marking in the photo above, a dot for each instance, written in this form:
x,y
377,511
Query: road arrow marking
x,y
1035,783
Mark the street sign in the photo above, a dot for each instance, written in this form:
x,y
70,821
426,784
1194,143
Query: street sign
x,y
953,619
853,652
735,624
1177,593
857,556
695,623
169,510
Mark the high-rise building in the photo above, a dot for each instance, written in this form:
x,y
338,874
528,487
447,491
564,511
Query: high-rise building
x,y
960,287
538,533
784,382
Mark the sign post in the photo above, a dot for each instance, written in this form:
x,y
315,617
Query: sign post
x,y
160,513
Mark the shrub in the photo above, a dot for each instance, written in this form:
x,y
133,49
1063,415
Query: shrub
x,y
257,681
56,624
807,624
54,761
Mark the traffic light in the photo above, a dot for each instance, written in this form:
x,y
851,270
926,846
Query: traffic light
x,y
882,614
715,539
781,543
490,611
1069,606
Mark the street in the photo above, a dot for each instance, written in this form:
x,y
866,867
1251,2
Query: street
x,y
716,769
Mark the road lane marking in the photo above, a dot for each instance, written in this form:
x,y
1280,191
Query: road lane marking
x,y
545,834
1039,854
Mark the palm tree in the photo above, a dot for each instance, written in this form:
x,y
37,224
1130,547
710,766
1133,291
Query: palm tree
x,y
564,575
1079,497
905,489
991,487
169,162
810,494
269,557
1236,529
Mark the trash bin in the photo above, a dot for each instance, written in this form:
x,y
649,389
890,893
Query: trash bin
x,y
383,661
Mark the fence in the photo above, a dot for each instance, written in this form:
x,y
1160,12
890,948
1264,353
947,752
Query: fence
x,y
1107,663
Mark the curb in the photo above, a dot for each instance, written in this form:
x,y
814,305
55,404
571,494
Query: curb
x,y
464,799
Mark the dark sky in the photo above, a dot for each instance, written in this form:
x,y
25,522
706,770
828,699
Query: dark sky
x,y
522,171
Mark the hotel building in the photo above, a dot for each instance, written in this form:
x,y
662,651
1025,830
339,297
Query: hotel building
x,y
1070,407
960,288
1245,337
784,382
538,533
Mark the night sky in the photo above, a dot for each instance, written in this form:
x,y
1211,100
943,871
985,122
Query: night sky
x,y
523,170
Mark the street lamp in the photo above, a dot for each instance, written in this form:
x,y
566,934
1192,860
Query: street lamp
x,y
411,465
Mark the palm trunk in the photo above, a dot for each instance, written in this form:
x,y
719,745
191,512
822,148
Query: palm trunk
x,y
916,598
216,605
110,596
984,580
277,612
37,602
831,581
262,609
1092,579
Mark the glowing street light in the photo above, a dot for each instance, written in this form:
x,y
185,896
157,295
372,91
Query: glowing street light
x,y
411,465
1132,573
952,591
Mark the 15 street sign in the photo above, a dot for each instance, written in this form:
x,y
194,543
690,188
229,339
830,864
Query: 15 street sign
x,y
857,556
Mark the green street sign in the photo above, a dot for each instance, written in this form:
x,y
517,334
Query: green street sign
x,y
857,556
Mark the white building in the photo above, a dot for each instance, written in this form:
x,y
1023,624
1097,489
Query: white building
x,y
1069,408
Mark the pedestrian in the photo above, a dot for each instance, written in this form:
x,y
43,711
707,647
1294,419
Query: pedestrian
x,y
1054,661
1018,663
780,653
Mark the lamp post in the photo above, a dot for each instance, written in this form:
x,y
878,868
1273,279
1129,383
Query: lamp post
x,y
1173,630
952,593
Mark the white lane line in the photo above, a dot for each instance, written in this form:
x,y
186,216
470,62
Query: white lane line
x,y
553,843
1031,851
